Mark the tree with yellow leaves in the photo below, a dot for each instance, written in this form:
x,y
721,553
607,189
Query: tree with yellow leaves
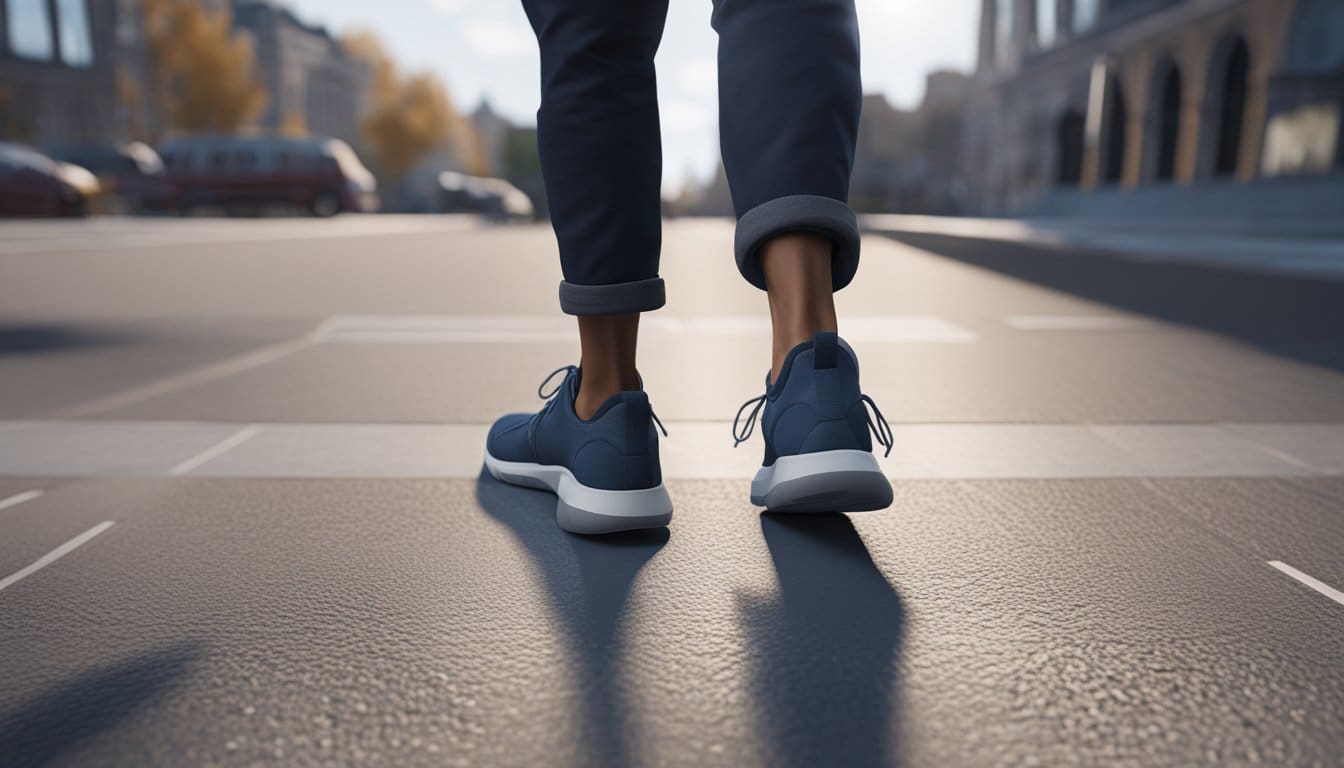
x,y
409,116
203,75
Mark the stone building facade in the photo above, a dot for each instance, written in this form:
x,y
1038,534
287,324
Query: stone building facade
x,y
56,74
1129,94
310,81
78,71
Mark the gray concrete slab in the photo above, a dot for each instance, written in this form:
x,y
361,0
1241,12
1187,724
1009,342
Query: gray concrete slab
x,y
438,622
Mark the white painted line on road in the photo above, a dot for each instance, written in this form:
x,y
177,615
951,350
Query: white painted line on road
x,y
1079,323
696,450
527,329
19,498
216,450
55,554
1316,584
191,378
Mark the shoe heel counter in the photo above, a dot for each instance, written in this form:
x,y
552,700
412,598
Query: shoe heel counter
x,y
627,457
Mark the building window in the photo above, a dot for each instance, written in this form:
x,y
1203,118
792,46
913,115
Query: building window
x,y
1070,137
1232,110
1169,125
29,25
1114,135
1003,29
1047,22
76,40
1085,14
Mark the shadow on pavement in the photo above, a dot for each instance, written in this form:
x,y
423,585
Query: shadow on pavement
x,y
37,339
45,729
824,650
1300,318
589,579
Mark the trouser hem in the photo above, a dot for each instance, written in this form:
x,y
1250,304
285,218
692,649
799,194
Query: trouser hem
x,y
825,216
616,299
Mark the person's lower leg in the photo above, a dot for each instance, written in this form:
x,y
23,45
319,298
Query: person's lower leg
x,y
797,270
608,359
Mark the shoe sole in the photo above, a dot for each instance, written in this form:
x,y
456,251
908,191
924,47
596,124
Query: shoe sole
x,y
826,481
581,509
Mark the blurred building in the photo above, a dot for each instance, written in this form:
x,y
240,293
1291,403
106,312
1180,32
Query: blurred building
x,y
1176,97
310,81
79,71
909,160
493,131
57,81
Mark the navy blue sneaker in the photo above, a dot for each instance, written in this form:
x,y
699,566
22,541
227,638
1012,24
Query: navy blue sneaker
x,y
818,455
604,470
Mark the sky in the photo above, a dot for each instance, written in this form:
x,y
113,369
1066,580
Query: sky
x,y
484,49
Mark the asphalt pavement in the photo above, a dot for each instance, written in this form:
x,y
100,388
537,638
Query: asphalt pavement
x,y
243,520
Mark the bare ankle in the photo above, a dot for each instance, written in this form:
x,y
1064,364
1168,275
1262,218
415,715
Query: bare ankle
x,y
797,270
608,363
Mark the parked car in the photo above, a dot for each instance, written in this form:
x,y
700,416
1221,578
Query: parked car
x,y
131,173
248,174
495,198
32,184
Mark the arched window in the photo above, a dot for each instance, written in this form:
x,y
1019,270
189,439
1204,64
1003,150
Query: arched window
x,y
1168,124
29,25
1047,23
1114,133
1069,138
76,40
1231,108
1086,13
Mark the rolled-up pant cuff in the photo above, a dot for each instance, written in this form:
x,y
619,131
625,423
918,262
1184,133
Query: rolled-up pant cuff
x,y
615,299
824,216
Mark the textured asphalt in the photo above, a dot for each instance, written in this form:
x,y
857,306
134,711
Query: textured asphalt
x,y
336,621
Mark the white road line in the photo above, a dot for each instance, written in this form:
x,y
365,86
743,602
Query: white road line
x,y
191,378
524,329
55,554
216,450
19,498
1316,584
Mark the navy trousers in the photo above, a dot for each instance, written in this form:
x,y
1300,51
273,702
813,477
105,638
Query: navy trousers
x,y
789,101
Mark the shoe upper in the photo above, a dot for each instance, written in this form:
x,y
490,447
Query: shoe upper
x,y
816,404
616,450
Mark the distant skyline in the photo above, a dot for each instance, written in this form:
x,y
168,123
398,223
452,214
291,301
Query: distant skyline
x,y
486,50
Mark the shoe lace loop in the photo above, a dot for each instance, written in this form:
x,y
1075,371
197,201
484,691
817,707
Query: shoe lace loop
x,y
877,423
741,435
568,370
880,428
541,389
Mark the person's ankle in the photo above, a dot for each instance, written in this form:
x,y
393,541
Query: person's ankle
x,y
790,336
596,390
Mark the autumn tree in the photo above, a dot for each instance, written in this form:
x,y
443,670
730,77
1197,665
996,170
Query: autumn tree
x,y
409,116
203,76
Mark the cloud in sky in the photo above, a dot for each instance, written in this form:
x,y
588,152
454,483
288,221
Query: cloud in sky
x,y
499,39
485,48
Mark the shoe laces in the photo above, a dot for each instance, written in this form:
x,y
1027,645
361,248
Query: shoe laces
x,y
569,370
878,426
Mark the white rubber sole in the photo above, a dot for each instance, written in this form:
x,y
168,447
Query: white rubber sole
x,y
581,509
826,481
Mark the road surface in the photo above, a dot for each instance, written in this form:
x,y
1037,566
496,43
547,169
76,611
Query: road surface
x,y
242,518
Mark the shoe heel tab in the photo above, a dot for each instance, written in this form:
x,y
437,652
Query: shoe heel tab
x,y
638,415
825,345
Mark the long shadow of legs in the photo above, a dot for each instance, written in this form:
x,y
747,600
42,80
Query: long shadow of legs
x,y
589,580
45,729
825,648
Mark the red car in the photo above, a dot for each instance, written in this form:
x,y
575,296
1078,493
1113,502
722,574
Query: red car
x,y
131,175
248,174
32,184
